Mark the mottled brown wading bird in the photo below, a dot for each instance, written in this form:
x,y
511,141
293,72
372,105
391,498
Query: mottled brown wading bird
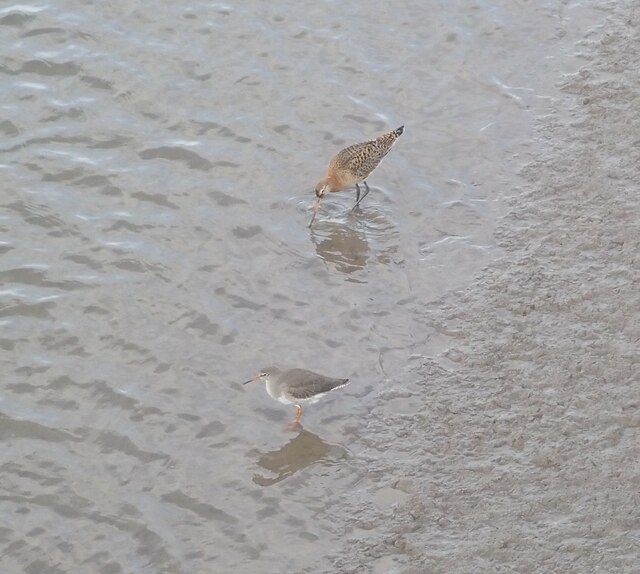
x,y
353,165
296,386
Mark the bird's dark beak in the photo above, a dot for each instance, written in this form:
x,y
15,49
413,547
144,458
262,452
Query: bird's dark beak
x,y
251,380
316,205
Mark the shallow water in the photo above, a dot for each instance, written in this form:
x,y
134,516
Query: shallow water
x,y
158,165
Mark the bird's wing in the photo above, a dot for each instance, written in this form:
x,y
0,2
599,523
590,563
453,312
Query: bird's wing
x,y
348,157
309,384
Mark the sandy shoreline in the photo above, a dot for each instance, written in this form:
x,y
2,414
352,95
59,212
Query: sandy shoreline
x,y
523,454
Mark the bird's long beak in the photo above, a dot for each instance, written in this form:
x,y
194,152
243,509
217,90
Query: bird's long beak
x,y
251,380
316,206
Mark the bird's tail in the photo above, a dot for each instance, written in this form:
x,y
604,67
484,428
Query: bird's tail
x,y
385,141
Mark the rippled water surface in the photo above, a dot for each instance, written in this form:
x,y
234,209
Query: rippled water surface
x,y
157,166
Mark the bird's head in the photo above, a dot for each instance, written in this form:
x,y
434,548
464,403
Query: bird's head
x,y
322,187
263,375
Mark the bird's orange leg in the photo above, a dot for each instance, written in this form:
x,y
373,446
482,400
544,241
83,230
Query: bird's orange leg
x,y
298,414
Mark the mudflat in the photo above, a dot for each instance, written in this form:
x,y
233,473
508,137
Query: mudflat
x,y
520,443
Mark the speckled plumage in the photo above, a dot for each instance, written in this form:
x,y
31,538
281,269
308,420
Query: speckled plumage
x,y
353,165
356,162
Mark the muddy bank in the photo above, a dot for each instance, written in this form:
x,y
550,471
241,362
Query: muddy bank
x,y
517,449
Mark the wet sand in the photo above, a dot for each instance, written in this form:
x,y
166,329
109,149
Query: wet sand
x,y
516,449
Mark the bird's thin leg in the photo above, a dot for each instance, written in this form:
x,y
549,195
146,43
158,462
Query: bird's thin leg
x,y
366,191
357,193
298,414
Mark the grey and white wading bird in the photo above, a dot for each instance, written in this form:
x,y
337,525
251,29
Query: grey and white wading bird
x,y
296,386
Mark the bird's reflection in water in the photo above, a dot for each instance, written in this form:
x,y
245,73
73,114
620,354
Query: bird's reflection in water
x,y
299,453
341,245
352,241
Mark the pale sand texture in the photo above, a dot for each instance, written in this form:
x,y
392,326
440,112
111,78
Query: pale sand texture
x,y
521,450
